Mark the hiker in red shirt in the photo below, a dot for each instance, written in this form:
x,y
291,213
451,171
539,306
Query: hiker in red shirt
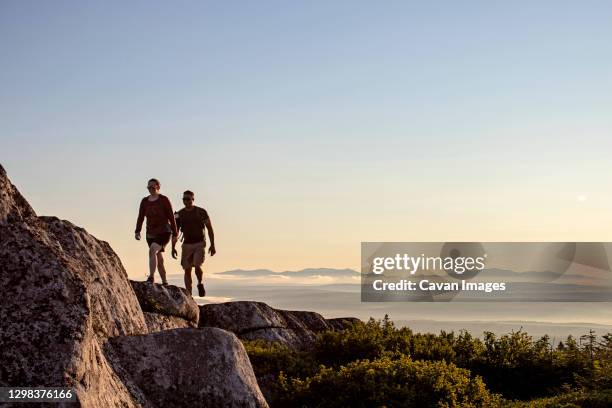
x,y
160,226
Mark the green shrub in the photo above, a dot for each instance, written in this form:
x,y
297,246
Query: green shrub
x,y
375,338
575,399
273,357
269,359
361,341
513,365
387,382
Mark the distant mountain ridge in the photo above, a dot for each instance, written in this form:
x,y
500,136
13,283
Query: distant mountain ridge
x,y
304,273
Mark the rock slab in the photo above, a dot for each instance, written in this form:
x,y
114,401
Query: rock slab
x,y
166,306
205,367
256,320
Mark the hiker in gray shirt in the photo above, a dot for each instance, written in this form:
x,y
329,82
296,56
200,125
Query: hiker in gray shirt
x,y
192,221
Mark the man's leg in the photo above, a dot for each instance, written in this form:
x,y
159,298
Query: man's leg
x,y
198,260
160,267
153,251
188,283
186,262
199,273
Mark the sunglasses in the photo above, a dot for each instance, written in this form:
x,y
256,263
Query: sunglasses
x,y
187,199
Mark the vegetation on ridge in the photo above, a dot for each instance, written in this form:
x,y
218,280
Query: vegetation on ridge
x,y
375,364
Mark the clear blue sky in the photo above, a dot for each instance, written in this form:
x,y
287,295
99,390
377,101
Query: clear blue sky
x,y
307,127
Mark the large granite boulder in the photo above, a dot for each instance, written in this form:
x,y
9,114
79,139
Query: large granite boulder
x,y
166,307
205,367
255,320
63,293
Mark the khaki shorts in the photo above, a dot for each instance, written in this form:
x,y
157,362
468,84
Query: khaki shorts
x,y
192,254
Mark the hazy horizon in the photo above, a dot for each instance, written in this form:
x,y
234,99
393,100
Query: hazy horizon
x,y
341,296
343,300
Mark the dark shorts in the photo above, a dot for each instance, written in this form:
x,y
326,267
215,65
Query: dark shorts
x,y
160,240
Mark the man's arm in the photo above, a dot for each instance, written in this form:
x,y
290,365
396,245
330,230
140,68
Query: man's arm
x,y
177,218
140,219
211,235
170,217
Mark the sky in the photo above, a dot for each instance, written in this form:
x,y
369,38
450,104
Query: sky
x,y
307,127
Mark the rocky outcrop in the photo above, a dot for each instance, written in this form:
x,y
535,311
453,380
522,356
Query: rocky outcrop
x,y
66,300
114,310
256,320
69,316
13,207
63,292
166,307
187,367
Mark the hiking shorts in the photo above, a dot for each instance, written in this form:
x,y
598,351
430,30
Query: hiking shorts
x,y
192,254
161,240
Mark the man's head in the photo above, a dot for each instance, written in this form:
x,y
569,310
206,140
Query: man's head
x,y
153,186
188,198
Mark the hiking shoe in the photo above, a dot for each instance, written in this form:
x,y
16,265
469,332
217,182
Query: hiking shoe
x,y
201,291
150,279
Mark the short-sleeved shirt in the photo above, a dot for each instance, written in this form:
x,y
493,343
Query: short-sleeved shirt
x,y
192,223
